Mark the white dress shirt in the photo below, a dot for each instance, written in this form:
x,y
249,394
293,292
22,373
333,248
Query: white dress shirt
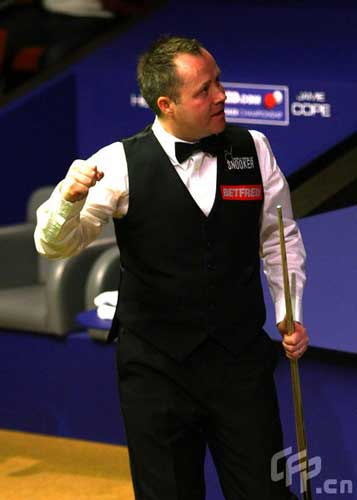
x,y
65,228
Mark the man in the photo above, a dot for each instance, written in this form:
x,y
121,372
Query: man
x,y
195,366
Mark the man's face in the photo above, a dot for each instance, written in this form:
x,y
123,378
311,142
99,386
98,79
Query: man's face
x,y
199,110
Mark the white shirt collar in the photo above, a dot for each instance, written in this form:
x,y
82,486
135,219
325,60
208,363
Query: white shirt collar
x,y
167,142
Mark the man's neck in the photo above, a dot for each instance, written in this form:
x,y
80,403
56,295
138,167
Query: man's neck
x,y
167,126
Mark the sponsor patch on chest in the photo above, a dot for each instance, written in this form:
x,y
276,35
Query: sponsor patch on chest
x,y
243,192
238,162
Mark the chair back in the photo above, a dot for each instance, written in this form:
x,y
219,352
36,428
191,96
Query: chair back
x,y
36,199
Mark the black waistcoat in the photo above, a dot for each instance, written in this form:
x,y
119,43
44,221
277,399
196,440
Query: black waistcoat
x,y
186,276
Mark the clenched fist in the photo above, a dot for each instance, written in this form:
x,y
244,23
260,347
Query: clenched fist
x,y
79,179
295,344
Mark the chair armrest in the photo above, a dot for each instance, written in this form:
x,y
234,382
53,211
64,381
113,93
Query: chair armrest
x,y
103,276
18,256
66,286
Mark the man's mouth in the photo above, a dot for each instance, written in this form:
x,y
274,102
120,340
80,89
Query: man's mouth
x,y
219,113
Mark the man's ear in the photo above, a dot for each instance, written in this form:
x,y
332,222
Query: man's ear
x,y
165,104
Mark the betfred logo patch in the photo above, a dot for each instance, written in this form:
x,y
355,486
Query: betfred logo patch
x,y
245,192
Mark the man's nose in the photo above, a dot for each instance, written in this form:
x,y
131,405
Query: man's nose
x,y
220,94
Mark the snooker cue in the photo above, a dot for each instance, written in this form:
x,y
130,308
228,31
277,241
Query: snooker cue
x,y
294,369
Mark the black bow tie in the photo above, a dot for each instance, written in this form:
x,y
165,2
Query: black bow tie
x,y
211,144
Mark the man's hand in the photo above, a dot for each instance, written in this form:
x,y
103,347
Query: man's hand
x,y
296,343
79,179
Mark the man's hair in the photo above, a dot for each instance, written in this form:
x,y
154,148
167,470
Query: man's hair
x,y
156,70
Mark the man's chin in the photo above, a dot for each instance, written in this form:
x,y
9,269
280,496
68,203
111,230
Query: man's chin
x,y
217,128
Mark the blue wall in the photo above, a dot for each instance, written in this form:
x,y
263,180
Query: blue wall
x,y
38,141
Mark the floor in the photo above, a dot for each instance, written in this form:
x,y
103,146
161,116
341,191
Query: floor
x,y
37,467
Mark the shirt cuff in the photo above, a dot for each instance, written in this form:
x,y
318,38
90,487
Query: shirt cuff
x,y
66,209
296,306
62,208
60,211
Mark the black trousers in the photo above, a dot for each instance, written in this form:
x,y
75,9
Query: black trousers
x,y
173,410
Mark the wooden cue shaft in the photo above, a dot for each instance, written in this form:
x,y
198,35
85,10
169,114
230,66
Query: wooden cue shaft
x,y
294,369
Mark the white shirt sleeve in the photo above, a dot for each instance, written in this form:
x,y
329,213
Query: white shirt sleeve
x,y
276,192
64,228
